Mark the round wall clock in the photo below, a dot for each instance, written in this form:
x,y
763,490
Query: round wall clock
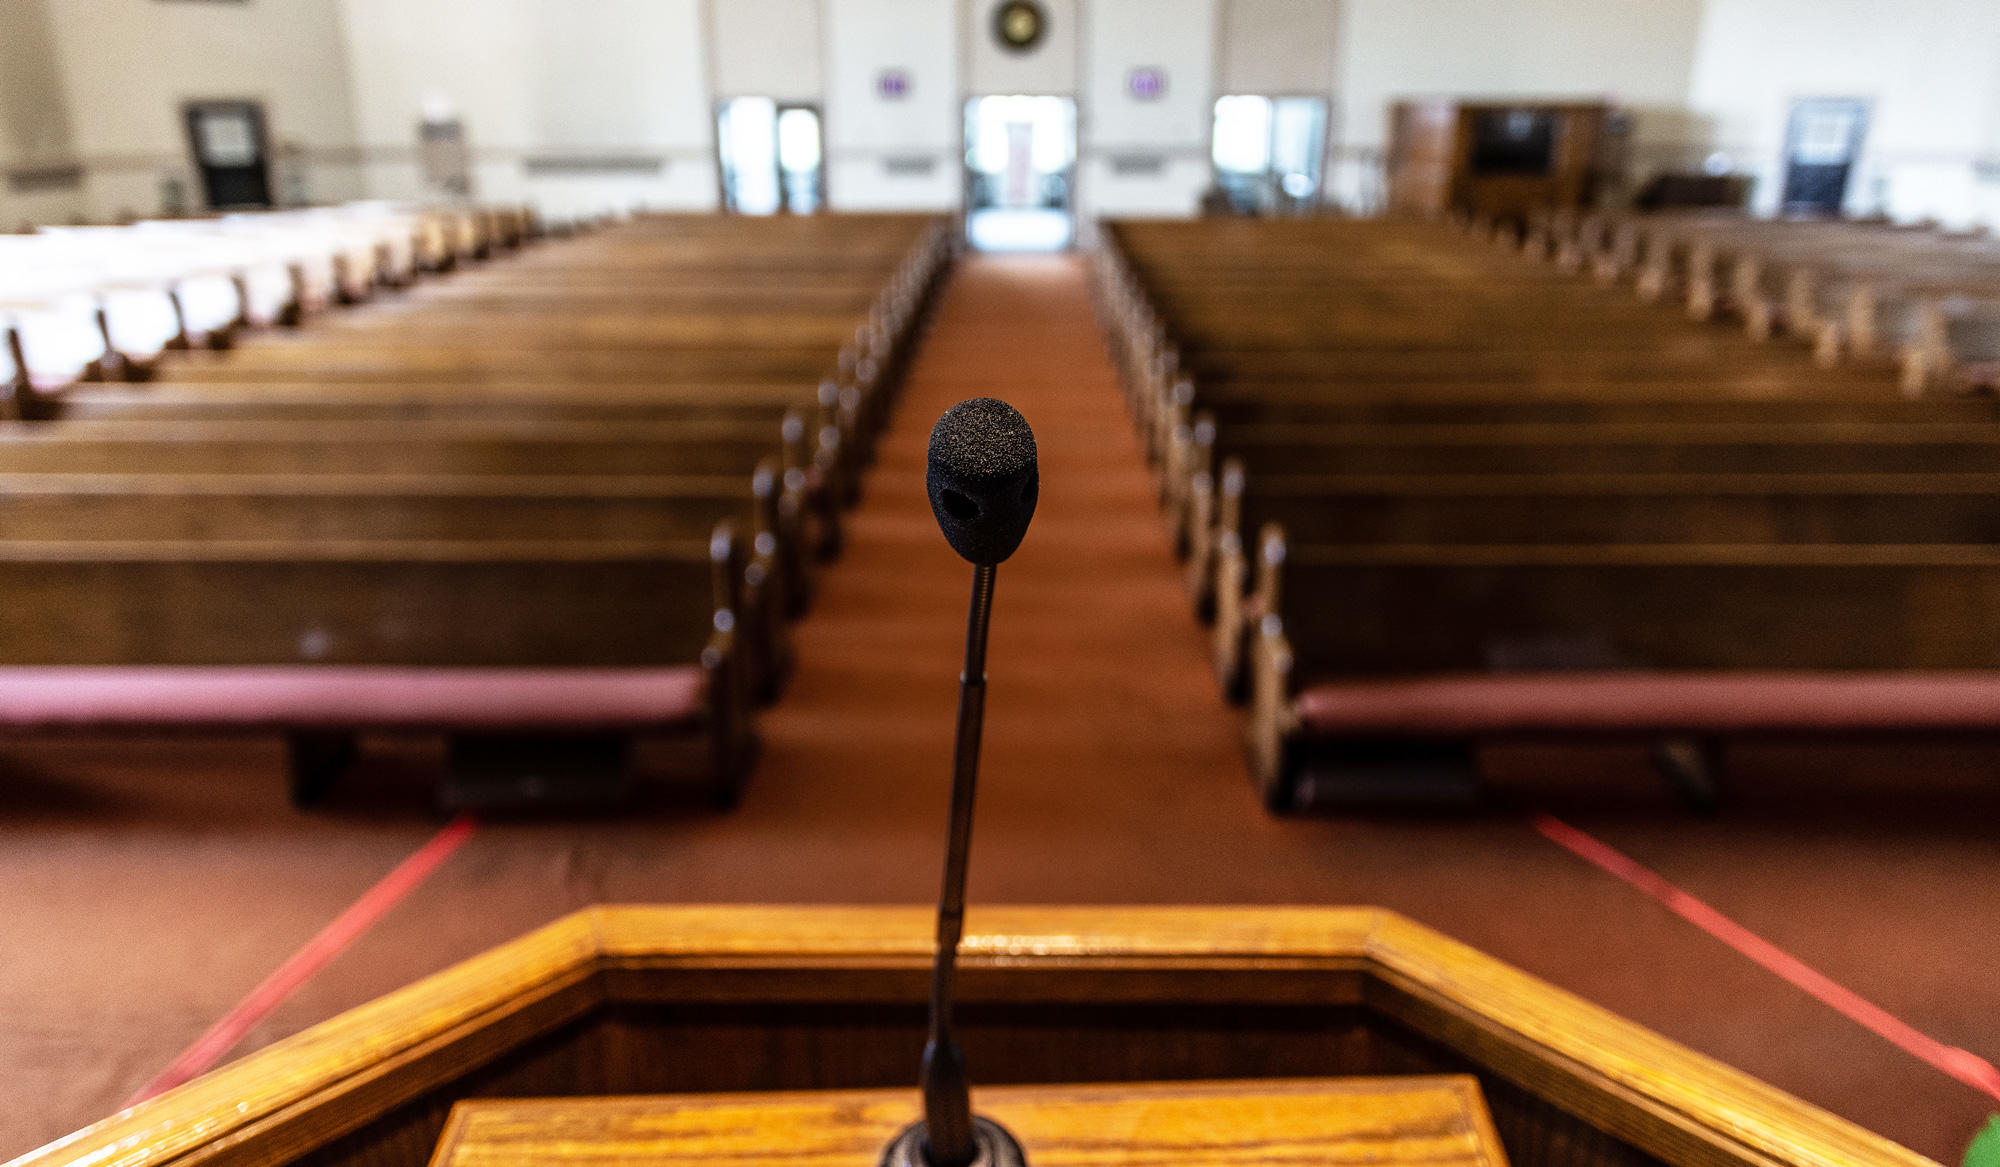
x,y
1019,24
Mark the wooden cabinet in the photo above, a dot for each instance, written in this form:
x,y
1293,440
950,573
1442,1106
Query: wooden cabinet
x,y
1500,160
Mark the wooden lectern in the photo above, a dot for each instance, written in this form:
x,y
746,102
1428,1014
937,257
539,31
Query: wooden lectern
x,y
1101,1035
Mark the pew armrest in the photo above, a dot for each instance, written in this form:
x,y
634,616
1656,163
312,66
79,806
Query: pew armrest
x,y
1274,724
731,729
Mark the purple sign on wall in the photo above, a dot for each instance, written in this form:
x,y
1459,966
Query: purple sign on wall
x,y
1146,84
892,84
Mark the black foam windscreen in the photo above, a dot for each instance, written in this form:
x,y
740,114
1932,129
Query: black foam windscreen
x,y
983,478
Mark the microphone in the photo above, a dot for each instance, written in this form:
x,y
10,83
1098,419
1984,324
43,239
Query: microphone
x,y
983,481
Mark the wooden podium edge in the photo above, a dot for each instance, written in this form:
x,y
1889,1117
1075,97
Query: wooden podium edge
x,y
1675,1104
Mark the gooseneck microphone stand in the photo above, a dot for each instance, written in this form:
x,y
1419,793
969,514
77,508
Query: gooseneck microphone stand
x,y
950,1135
983,481
947,1096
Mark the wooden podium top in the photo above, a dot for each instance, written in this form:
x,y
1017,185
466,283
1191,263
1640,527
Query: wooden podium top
x,y
1437,1121
706,1000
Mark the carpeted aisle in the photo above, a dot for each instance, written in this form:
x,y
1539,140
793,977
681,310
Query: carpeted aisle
x,y
144,889
1104,738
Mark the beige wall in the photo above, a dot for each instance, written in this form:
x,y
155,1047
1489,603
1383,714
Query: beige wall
x,y
129,66
37,142
535,83
35,125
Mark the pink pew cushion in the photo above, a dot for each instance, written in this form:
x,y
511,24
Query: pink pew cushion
x,y
1639,702
145,697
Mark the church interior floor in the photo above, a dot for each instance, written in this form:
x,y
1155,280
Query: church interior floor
x,y
144,889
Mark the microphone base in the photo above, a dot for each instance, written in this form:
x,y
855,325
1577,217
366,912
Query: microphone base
x,y
996,1148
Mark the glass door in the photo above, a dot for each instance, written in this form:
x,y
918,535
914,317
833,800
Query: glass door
x,y
771,157
1020,169
1269,153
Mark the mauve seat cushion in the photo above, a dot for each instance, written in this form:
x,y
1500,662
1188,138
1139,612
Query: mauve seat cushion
x,y
1637,702
308,697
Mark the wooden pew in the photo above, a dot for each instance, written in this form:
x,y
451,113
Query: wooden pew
x,y
1520,448
324,640
389,447
1697,510
1485,473
521,401
478,507
1666,627
337,508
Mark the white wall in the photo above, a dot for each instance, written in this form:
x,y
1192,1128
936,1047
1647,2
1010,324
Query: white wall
x,y
1278,46
625,79
768,48
1146,156
1049,67
128,68
1932,71
893,153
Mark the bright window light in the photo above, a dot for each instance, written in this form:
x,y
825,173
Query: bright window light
x,y
749,154
1243,134
798,140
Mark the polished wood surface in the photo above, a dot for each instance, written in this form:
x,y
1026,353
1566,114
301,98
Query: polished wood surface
x,y
697,999
1389,1122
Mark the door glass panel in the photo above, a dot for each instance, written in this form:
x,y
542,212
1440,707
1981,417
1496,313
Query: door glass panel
x,y
225,138
746,131
799,158
1298,146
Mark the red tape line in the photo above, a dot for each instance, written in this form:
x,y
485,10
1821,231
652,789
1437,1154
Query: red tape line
x,y
339,934
1963,1065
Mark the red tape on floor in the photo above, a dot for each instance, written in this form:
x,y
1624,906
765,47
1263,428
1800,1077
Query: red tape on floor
x,y
1963,1065
301,966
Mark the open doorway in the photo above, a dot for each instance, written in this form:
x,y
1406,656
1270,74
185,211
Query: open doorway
x,y
1269,153
770,155
1020,173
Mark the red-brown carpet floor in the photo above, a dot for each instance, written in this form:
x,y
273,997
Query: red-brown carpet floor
x,y
145,888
